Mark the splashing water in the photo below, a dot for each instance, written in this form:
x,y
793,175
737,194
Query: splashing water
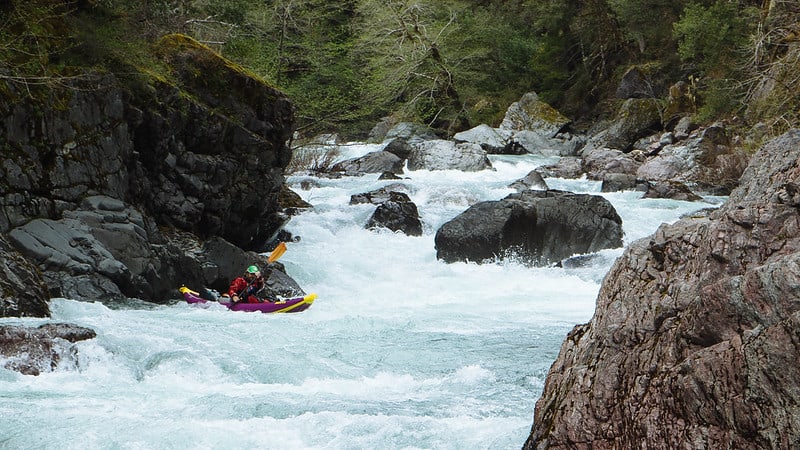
x,y
399,351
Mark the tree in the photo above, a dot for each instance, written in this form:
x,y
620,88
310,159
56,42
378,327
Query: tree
x,y
414,51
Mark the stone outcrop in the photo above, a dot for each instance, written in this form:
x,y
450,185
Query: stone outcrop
x,y
22,291
167,153
695,341
537,227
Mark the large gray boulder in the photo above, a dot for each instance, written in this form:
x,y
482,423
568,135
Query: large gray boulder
x,y
493,140
372,162
538,143
108,251
439,154
398,213
694,340
537,227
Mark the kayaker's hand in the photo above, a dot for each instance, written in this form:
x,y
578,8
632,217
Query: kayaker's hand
x,y
235,298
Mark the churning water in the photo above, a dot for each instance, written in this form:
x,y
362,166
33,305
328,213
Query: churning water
x,y
399,351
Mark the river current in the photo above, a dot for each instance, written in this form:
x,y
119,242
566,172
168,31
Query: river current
x,y
399,351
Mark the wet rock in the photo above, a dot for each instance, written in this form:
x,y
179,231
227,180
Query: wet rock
x,y
539,227
373,162
492,140
32,351
395,209
533,180
397,213
440,154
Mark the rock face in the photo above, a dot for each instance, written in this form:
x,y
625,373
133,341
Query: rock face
x,y
182,152
694,342
22,292
212,149
540,227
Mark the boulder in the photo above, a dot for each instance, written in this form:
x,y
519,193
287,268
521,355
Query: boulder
x,y
492,140
670,189
291,203
635,84
395,209
32,351
694,337
603,161
531,113
381,195
613,182
563,144
412,133
397,213
440,154
533,180
537,227
399,147
373,162
635,119
567,167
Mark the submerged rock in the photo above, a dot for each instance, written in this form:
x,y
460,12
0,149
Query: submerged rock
x,y
32,351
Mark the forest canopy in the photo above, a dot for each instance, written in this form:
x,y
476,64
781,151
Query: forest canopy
x,y
451,64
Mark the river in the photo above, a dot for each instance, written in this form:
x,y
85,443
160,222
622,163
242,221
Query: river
x,y
399,351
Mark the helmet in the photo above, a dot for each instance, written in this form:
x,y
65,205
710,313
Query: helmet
x,y
252,269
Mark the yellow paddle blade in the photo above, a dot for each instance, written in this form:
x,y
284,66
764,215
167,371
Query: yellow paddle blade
x,y
277,253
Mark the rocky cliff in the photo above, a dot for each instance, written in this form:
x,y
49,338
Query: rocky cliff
x,y
696,335
112,184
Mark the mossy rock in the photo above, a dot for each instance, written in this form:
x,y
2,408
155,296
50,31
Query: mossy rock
x,y
209,76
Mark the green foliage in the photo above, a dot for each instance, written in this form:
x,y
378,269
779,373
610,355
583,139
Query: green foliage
x,y
448,63
710,36
646,22
31,33
719,98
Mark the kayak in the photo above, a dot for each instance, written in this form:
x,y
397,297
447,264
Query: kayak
x,y
289,305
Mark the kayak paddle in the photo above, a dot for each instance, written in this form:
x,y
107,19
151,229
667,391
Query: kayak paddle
x,y
277,253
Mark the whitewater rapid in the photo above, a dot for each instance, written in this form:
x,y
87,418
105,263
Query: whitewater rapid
x,y
399,350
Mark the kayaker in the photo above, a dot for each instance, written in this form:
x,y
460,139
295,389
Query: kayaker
x,y
245,287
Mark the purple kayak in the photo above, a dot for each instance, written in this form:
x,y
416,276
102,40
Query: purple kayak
x,y
289,305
